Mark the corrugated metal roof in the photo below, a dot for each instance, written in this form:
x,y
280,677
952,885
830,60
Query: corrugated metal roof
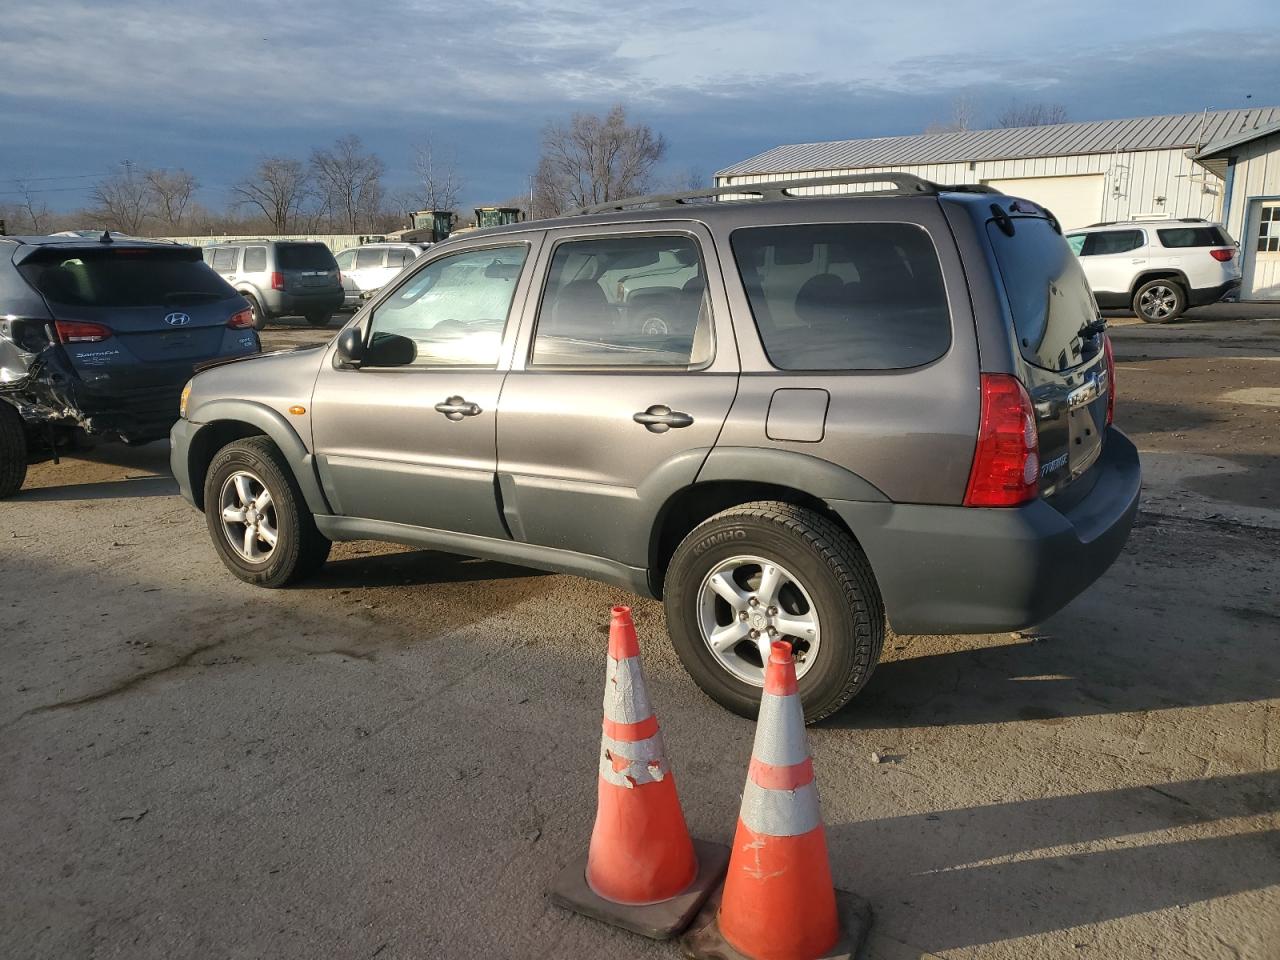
x,y
1179,130
1235,140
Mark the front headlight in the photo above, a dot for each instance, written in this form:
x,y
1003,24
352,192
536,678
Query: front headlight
x,y
182,402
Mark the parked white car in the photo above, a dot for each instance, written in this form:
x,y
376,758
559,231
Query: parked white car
x,y
1158,267
369,268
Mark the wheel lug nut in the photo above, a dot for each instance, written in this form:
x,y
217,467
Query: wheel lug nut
x,y
773,632
754,634
773,611
743,616
754,601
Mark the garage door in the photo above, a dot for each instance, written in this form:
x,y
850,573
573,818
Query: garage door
x,y
1262,252
1075,201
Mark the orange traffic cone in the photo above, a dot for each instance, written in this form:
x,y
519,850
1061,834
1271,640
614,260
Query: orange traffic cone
x,y
778,902
642,872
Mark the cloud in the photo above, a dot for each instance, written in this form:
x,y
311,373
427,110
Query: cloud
x,y
210,87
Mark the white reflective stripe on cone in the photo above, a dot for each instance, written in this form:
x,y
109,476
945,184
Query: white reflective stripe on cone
x,y
780,737
625,697
650,748
780,813
634,773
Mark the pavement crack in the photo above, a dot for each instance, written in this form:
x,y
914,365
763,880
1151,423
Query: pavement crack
x,y
122,687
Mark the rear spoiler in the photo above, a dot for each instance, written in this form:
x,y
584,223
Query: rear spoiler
x,y
36,252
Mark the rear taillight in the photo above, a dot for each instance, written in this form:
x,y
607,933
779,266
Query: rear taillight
x,y
242,319
1111,378
1006,460
277,280
1225,255
78,331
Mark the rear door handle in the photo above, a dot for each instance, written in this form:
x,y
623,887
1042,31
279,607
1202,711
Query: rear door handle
x,y
660,418
455,408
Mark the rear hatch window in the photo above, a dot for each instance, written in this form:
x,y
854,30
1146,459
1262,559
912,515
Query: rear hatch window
x,y
124,277
1056,324
305,256
1211,236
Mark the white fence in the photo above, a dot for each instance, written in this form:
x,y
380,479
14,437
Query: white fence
x,y
337,242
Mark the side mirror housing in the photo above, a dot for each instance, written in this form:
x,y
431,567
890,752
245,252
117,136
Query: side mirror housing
x,y
351,348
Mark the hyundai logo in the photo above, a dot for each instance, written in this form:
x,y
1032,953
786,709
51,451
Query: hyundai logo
x,y
177,319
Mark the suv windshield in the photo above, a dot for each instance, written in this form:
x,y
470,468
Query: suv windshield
x,y
304,256
1048,295
123,278
1194,237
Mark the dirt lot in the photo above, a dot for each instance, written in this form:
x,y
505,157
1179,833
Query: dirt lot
x,y
394,760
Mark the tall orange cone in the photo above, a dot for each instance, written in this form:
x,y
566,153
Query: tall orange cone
x,y
778,902
643,871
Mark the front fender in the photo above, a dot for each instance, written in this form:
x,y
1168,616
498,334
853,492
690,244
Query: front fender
x,y
281,432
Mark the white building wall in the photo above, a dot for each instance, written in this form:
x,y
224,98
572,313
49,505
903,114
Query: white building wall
x,y
1149,183
1256,174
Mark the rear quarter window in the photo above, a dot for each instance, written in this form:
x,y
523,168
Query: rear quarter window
x,y
1049,297
845,296
1193,237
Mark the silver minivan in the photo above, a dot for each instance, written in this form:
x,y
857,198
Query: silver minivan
x,y
369,268
280,278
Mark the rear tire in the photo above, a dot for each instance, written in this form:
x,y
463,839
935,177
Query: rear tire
x,y
299,549
1159,301
824,571
259,318
13,450
319,319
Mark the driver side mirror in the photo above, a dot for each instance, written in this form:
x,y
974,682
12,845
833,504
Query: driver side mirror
x,y
351,348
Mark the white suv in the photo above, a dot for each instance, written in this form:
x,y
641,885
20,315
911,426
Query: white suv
x,y
367,269
1158,267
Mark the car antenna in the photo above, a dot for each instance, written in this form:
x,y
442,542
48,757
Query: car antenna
x,y
106,237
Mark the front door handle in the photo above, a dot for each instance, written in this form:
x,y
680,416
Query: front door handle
x,y
660,418
455,408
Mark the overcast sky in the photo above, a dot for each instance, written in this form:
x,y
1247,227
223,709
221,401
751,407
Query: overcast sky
x,y
210,87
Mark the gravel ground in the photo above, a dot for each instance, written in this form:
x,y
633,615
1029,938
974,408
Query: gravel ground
x,y
394,760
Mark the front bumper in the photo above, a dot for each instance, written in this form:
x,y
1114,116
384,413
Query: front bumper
x,y
180,457
950,569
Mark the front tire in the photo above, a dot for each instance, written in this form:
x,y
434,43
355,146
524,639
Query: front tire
x,y
13,450
258,518
1159,301
810,584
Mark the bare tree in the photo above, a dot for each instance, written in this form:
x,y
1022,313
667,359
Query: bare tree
x,y
964,112
439,182
593,160
278,187
34,211
122,201
350,180
1031,115
171,192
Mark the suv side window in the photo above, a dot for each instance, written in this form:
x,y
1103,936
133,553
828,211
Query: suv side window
x,y
452,312
845,296
369,257
1111,241
398,258
255,259
224,259
345,259
624,301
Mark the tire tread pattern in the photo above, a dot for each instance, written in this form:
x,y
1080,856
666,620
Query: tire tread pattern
x,y
13,450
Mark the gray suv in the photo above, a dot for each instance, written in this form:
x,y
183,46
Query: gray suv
x,y
785,415
281,278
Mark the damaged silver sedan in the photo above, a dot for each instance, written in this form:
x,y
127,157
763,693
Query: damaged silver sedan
x,y
98,337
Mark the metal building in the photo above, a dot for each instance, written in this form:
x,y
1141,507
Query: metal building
x,y
1212,164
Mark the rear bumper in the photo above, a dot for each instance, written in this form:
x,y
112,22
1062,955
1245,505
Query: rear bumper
x,y
282,304
1206,295
944,569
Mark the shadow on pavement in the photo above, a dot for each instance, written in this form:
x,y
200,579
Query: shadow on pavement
x,y
136,487
942,869
415,567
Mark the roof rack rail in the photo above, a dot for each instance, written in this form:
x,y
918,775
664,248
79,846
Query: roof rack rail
x,y
904,184
969,188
